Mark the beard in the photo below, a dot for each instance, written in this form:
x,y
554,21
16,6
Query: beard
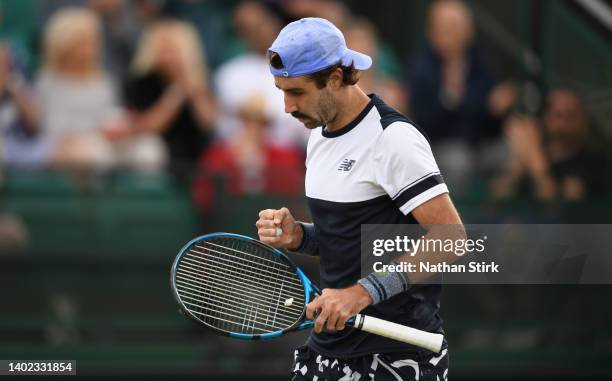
x,y
308,121
325,112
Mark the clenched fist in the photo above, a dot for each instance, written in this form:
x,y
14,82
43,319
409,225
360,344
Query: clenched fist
x,y
278,228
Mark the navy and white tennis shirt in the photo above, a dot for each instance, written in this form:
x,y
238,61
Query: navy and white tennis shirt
x,y
375,170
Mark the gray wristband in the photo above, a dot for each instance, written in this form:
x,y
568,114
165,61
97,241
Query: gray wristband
x,y
309,244
384,285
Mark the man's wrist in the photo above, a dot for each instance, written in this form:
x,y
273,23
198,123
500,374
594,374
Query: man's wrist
x,y
308,241
383,286
297,237
365,299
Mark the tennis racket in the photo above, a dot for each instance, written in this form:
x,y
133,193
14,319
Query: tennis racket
x,y
245,289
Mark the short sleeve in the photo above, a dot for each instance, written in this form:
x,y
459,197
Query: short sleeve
x,y
405,167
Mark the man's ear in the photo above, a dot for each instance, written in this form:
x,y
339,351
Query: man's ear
x,y
335,79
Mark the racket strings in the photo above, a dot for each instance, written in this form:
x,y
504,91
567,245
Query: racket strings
x,y
265,275
255,256
275,272
226,306
238,286
238,289
231,317
223,294
262,265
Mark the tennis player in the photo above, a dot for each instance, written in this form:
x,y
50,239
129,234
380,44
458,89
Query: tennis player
x,y
366,164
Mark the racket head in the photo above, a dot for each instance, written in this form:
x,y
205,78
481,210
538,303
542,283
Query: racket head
x,y
240,287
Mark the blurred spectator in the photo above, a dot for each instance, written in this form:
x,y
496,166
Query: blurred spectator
x,y
250,163
213,20
13,234
452,95
333,10
80,111
121,22
248,75
20,144
361,36
168,93
554,157
120,27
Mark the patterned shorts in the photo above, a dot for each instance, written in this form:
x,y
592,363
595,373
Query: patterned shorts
x,y
311,366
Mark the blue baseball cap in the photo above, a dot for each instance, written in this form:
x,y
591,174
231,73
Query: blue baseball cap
x,y
312,44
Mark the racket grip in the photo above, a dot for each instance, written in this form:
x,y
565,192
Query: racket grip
x,y
427,340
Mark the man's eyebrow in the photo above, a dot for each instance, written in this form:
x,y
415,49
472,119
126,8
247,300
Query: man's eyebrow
x,y
291,89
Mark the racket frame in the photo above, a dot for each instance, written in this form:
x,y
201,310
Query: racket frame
x,y
310,290
431,341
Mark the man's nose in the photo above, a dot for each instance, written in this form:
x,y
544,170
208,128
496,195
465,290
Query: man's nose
x,y
290,106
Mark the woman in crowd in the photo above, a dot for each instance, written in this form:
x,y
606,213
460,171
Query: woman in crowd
x,y
79,105
168,93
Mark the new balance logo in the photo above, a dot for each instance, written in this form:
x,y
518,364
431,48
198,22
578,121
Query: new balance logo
x,y
346,165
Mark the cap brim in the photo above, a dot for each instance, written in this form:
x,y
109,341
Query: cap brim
x,y
359,60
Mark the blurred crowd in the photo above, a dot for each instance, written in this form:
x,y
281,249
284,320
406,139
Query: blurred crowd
x,y
183,87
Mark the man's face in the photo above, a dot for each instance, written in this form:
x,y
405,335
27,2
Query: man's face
x,y
564,117
450,29
312,106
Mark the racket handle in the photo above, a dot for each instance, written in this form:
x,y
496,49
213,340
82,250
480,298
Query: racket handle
x,y
427,340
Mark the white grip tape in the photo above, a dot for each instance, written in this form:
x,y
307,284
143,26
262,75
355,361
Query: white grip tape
x,y
427,340
279,231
